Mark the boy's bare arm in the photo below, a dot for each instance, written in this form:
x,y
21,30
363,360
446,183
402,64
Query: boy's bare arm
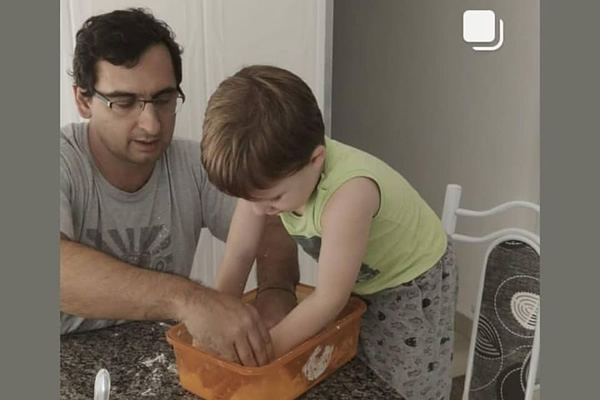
x,y
245,235
346,223
96,285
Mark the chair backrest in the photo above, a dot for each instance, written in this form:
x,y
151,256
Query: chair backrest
x,y
504,349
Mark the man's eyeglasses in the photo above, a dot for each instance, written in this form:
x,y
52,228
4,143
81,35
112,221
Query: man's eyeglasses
x,y
168,103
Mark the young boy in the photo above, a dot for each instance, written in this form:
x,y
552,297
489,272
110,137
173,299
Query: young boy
x,y
370,231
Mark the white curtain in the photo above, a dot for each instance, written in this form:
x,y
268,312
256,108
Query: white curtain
x,y
218,38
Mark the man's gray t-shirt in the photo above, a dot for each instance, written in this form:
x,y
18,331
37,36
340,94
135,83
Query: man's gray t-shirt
x,y
156,227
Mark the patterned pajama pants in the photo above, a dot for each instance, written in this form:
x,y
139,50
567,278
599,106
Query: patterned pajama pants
x,y
407,332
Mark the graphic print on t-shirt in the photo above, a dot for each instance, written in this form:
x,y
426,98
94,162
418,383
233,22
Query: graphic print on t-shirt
x,y
312,246
148,246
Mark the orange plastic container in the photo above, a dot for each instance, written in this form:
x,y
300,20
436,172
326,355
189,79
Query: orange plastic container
x,y
284,378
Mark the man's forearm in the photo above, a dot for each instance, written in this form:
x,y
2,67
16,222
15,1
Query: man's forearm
x,y
277,258
96,285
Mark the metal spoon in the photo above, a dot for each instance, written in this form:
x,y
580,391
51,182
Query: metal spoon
x,y
102,385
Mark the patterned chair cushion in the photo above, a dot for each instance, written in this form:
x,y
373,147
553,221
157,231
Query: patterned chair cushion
x,y
506,323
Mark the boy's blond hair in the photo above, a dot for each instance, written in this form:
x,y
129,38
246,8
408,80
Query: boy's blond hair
x,y
260,125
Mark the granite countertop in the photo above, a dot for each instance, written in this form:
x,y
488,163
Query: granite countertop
x,y
142,365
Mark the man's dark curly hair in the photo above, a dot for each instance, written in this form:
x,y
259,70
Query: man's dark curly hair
x,y
120,37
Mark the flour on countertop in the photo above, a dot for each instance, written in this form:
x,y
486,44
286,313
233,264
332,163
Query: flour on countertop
x,y
150,361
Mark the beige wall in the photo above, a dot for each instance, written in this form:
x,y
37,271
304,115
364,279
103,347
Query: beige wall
x,y
409,90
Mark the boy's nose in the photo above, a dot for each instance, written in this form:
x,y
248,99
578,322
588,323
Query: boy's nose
x,y
258,208
262,208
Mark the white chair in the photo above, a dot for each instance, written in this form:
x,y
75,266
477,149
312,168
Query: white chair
x,y
505,339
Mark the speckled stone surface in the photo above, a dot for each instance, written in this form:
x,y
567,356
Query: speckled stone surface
x,y
142,365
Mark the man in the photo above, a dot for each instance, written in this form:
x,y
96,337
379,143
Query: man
x,y
133,201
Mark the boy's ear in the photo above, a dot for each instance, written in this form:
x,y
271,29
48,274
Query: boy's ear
x,y
82,102
318,155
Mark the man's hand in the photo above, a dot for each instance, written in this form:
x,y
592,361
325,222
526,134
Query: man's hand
x,y
273,304
224,325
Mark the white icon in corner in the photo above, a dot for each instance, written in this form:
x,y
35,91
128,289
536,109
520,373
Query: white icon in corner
x,y
479,26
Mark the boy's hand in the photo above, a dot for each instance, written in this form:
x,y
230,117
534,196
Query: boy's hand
x,y
224,325
274,304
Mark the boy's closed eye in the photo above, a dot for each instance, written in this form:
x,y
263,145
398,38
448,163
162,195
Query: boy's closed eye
x,y
268,199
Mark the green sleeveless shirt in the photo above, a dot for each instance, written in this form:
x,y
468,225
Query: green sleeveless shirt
x,y
406,238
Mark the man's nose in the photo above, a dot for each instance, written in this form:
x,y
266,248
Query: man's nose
x,y
148,119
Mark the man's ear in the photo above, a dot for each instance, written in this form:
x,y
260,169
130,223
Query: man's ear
x,y
82,102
